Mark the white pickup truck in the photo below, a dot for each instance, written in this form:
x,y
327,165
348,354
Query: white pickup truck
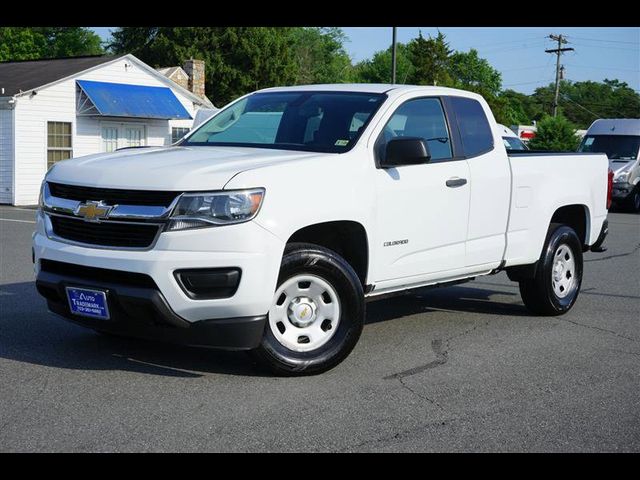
x,y
267,228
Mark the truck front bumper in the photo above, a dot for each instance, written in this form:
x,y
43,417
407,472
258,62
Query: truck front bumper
x,y
622,190
143,312
162,308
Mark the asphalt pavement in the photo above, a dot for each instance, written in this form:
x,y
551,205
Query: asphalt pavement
x,y
463,368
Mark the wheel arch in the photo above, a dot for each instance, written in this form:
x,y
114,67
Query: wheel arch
x,y
576,216
348,238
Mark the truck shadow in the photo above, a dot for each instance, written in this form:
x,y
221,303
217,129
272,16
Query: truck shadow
x,y
450,299
28,333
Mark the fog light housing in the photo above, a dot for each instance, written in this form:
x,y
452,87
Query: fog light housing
x,y
208,283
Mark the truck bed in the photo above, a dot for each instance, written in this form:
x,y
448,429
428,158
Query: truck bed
x,y
543,182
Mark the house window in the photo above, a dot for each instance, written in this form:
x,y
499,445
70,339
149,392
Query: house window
x,y
58,142
177,133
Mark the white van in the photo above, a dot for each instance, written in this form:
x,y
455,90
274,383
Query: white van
x,y
620,140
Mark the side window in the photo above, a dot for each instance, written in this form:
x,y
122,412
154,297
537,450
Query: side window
x,y
473,125
423,118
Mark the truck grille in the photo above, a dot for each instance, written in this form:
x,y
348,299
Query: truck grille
x,y
113,196
108,234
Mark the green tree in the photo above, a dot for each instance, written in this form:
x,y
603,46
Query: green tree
x,y
517,108
583,102
320,56
377,69
32,43
555,133
237,59
470,72
430,58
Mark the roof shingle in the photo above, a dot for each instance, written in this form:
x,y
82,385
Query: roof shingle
x,y
29,74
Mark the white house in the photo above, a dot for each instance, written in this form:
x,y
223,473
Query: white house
x,y
51,110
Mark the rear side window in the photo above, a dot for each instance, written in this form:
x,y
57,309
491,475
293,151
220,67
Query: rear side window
x,y
474,127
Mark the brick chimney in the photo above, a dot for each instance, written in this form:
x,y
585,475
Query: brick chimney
x,y
195,70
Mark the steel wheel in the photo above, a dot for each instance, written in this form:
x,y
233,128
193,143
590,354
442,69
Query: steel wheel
x,y
305,313
563,273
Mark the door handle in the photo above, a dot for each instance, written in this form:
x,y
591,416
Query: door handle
x,y
456,182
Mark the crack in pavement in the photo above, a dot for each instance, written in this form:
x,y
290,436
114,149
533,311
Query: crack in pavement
x,y
442,357
423,397
591,327
436,346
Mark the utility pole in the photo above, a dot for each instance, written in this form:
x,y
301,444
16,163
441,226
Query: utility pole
x,y
558,51
393,56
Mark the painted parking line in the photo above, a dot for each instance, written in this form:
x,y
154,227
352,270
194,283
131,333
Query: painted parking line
x,y
15,220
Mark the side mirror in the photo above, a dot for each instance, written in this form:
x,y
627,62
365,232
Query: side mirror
x,y
405,151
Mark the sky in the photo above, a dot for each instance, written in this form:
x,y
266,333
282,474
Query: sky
x,y
518,53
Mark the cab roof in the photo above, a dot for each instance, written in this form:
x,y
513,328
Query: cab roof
x,y
365,88
615,126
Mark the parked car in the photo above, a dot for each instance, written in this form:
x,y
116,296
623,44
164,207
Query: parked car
x,y
510,139
620,140
267,228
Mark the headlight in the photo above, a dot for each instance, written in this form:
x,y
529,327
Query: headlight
x,y
621,178
41,195
198,210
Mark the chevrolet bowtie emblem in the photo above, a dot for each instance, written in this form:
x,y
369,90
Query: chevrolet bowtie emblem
x,y
93,211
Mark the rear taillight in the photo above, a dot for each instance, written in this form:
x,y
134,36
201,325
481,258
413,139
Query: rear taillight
x,y
609,188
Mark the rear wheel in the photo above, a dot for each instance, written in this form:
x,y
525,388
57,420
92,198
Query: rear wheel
x,y
317,313
556,284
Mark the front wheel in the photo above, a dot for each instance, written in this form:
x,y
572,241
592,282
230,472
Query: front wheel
x,y
556,284
633,202
317,313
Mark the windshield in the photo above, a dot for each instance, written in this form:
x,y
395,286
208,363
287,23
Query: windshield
x,y
309,121
617,147
513,143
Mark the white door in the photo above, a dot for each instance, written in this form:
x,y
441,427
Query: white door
x,y
490,179
134,136
422,210
109,139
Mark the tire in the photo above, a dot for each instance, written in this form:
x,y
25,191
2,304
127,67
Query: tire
x,y
633,201
300,338
558,278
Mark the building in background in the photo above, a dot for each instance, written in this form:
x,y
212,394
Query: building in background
x,y
51,110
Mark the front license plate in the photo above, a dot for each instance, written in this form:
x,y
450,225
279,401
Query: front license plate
x,y
88,303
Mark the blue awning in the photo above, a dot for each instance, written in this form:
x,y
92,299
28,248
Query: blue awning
x,y
122,100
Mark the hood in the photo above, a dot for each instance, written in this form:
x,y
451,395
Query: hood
x,y
620,166
167,168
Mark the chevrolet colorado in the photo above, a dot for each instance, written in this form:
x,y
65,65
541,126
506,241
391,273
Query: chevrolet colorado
x,y
267,227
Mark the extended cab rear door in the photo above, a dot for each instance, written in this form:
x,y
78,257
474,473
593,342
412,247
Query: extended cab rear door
x,y
421,211
490,181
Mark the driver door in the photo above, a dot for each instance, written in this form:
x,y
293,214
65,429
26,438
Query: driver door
x,y
422,211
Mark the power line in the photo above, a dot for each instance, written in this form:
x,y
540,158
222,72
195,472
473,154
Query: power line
x,y
525,68
524,83
607,47
513,49
504,42
602,68
565,97
603,40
